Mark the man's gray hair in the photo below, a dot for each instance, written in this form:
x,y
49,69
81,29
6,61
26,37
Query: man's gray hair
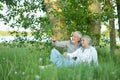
x,y
78,33
88,39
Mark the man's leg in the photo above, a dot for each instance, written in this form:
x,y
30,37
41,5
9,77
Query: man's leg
x,y
56,57
67,61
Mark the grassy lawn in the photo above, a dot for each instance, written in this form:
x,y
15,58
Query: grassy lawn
x,y
26,64
18,64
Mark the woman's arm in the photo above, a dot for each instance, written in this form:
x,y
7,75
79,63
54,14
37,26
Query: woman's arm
x,y
94,56
74,54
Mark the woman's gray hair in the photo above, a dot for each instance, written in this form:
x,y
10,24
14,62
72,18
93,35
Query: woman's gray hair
x,y
78,33
88,39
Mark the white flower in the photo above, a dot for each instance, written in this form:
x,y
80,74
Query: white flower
x,y
40,59
37,77
42,67
46,66
15,72
23,73
3,58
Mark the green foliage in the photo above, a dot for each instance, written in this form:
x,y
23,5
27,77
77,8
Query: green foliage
x,y
107,12
104,40
76,14
27,14
10,2
1,8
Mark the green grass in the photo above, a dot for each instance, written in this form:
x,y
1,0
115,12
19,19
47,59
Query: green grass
x,y
24,64
19,64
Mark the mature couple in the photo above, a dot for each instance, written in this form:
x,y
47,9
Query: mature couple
x,y
79,50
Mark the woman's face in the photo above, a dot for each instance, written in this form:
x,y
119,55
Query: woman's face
x,y
84,42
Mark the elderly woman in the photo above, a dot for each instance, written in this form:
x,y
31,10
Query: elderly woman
x,y
86,53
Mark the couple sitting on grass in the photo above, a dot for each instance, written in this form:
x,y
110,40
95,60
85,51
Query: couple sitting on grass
x,y
79,50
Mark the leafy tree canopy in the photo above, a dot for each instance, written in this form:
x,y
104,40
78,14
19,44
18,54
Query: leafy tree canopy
x,y
26,14
75,13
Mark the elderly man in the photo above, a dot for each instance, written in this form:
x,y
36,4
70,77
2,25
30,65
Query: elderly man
x,y
71,46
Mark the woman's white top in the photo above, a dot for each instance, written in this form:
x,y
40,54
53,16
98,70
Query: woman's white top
x,y
87,55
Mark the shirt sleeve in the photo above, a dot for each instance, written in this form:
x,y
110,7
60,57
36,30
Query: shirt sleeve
x,y
61,43
74,54
94,56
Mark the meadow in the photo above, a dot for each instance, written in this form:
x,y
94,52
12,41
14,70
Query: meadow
x,y
29,63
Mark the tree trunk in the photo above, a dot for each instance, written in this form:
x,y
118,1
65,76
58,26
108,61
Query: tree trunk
x,y
95,25
112,28
118,10
112,36
94,30
58,24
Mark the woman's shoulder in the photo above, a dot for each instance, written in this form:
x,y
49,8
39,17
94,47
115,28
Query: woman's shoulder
x,y
92,47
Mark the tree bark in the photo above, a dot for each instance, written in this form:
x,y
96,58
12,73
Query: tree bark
x,y
95,25
94,30
112,29
58,24
112,36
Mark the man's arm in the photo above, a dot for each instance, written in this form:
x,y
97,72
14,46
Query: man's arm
x,y
59,43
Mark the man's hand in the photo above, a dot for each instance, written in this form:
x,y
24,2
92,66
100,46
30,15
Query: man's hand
x,y
53,38
65,54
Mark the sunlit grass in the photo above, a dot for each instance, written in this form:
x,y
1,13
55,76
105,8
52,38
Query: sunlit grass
x,y
29,64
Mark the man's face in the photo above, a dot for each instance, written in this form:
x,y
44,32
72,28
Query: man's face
x,y
75,38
